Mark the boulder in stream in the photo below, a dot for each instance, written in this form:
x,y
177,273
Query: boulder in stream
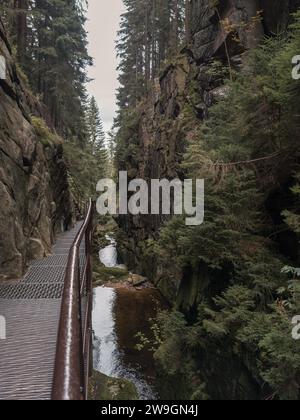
x,y
137,280
105,388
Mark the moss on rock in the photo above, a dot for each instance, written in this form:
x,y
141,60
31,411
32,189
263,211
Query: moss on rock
x,y
105,388
103,275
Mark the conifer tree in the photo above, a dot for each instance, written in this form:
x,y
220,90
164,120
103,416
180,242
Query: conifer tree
x,y
96,134
150,32
243,298
51,43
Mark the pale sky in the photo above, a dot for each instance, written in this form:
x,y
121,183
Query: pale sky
x,y
103,24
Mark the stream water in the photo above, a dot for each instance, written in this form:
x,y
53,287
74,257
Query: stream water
x,y
109,255
118,315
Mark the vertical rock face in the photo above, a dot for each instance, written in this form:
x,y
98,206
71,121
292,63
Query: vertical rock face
x,y
186,87
209,36
34,194
244,20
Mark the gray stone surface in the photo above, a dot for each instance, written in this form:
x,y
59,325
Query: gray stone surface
x,y
34,194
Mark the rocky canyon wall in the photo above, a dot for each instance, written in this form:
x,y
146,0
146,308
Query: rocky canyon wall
x,y
34,194
178,104
245,20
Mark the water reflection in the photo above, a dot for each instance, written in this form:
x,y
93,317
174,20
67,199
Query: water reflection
x,y
117,317
105,341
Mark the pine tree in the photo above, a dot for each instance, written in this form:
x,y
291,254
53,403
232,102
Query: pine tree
x,y
22,10
188,33
96,134
51,44
150,32
231,269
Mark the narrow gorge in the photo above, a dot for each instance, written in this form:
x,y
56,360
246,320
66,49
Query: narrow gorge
x,y
194,122
121,304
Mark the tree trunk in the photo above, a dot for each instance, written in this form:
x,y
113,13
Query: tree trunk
x,y
188,18
174,26
22,7
147,46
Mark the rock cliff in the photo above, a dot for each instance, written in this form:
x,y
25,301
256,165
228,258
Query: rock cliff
x,y
244,23
34,193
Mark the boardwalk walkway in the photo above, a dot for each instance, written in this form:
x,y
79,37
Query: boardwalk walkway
x,y
32,310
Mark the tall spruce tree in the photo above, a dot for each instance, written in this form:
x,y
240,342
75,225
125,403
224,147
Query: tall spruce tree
x,y
51,45
96,134
150,32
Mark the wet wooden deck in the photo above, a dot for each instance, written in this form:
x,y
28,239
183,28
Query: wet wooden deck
x,y
32,310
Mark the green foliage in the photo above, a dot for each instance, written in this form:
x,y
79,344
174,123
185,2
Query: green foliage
x,y
51,48
96,135
46,137
245,299
171,342
292,218
267,334
262,101
149,33
126,139
105,388
88,163
103,275
84,168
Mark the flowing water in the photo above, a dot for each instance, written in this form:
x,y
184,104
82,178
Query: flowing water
x,y
118,315
109,255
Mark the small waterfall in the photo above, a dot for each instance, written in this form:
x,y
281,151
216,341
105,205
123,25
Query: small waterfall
x,y
109,255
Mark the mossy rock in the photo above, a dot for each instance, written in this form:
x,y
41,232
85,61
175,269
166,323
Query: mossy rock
x,y
106,225
102,275
112,272
47,138
137,280
101,242
105,388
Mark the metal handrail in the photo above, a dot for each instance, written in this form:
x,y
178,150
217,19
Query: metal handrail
x,y
73,351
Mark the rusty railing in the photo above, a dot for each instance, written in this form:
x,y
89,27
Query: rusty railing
x,y
73,352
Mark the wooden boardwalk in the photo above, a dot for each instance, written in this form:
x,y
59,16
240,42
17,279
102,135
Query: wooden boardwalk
x,y
32,310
